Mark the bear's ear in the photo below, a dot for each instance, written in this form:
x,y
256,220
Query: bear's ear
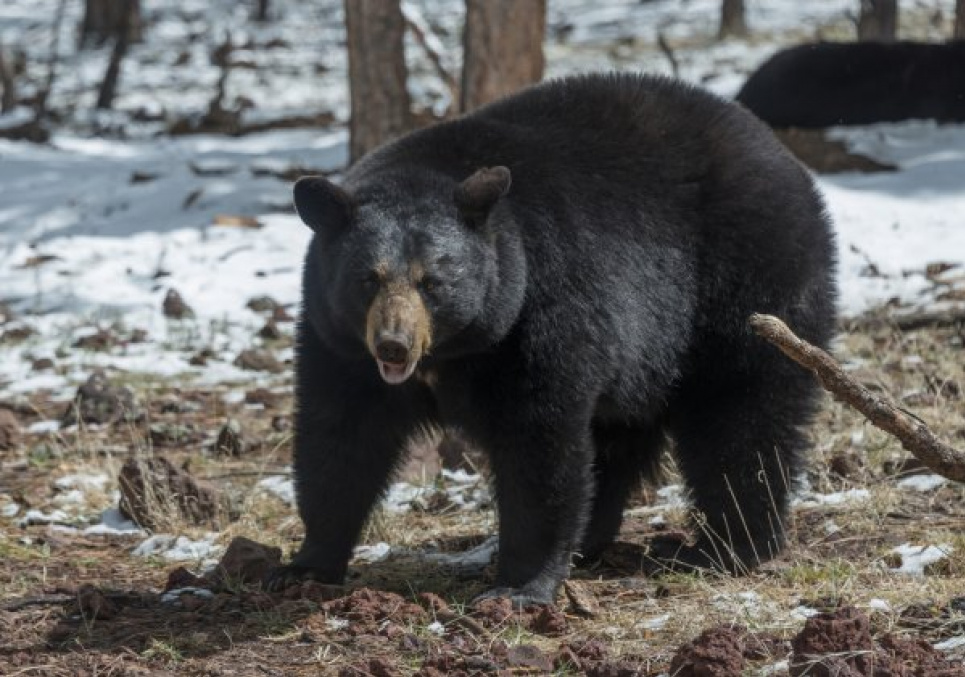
x,y
476,195
323,206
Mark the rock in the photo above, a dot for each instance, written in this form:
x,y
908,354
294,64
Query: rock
x,y
581,599
246,561
836,644
100,341
153,491
845,465
42,364
255,359
17,334
9,430
717,652
200,358
97,401
174,306
262,396
262,304
230,440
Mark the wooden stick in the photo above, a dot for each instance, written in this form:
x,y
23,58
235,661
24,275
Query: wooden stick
x,y
914,435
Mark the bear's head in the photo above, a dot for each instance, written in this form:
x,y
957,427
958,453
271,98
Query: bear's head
x,y
405,262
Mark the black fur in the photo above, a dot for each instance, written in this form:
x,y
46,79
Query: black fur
x,y
598,308
858,83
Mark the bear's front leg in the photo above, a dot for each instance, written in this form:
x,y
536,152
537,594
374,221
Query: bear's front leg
x,y
541,455
350,430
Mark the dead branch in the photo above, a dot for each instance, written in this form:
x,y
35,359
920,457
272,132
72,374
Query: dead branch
x,y
909,321
913,434
668,52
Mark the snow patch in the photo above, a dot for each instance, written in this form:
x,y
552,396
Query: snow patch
x,y
914,558
922,483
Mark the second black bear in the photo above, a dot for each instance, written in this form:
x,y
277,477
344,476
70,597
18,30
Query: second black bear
x,y
566,275
858,83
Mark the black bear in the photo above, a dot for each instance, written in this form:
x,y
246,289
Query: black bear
x,y
566,276
858,83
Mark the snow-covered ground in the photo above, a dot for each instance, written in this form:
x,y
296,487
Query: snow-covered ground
x,y
94,230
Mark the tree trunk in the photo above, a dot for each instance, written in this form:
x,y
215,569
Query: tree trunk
x,y
261,11
104,18
8,101
959,32
878,20
105,97
732,19
377,74
503,48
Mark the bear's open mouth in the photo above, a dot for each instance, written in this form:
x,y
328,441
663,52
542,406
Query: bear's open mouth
x,y
395,374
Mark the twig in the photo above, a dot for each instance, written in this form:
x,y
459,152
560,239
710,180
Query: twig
x,y
948,317
668,52
913,434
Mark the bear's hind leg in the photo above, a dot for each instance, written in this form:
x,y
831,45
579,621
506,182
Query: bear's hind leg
x,y
624,455
738,447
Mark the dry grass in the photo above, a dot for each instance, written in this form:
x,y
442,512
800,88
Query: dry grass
x,y
836,554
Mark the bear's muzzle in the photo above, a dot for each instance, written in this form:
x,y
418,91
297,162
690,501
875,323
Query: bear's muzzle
x,y
397,332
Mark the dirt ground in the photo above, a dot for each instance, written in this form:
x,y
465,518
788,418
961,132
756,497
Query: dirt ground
x,y
835,603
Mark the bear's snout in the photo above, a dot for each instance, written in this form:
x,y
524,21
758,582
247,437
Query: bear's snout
x,y
393,348
397,332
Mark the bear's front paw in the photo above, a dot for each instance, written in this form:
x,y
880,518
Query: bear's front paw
x,y
283,577
531,594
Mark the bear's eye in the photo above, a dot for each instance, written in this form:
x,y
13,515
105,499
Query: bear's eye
x,y
370,281
429,283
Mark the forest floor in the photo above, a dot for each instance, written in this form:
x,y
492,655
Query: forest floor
x,y
874,539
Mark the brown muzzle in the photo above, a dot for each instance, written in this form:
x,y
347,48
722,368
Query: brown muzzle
x,y
397,332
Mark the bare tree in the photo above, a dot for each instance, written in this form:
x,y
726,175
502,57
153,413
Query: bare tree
x,y
959,32
105,97
9,98
261,11
381,108
878,20
503,48
733,21
104,18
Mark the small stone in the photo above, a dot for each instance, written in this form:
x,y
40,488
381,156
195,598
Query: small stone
x,y
246,561
100,341
230,441
262,304
98,401
42,364
717,652
175,307
153,488
255,359
262,396
17,334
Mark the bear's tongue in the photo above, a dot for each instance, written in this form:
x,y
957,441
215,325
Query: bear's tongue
x,y
395,374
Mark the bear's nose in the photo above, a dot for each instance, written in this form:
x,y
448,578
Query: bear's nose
x,y
392,348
